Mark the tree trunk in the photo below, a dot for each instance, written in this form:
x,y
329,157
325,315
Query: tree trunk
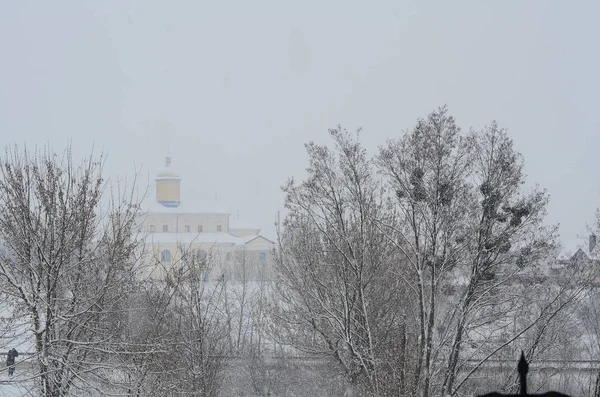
x,y
420,349
429,341
402,387
597,390
450,375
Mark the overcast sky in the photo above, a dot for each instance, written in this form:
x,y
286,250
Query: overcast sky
x,y
236,88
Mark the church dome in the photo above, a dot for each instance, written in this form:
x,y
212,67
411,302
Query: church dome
x,y
168,186
167,171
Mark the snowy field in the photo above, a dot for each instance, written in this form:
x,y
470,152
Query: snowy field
x,y
20,384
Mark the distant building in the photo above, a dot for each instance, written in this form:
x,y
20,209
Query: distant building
x,y
565,268
174,227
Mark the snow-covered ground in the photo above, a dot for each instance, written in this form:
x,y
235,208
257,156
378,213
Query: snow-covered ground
x,y
20,384
14,333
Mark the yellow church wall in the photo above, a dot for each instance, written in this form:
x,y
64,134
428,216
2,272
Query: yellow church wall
x,y
177,222
247,262
168,190
218,262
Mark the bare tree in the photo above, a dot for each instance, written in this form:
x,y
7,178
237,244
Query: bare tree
x,y
413,278
469,227
505,236
427,169
200,331
336,290
246,297
143,347
65,266
177,335
589,311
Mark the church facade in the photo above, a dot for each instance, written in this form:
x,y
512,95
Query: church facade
x,y
173,229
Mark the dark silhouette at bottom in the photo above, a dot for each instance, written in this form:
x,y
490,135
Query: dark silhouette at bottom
x,y
523,368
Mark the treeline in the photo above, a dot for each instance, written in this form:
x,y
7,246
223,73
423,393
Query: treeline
x,y
404,272
406,267
75,291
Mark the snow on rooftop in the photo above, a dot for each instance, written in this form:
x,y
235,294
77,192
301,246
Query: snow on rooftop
x,y
235,223
566,253
197,238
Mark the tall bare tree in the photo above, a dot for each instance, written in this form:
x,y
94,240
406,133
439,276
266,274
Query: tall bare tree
x,y
427,169
65,266
452,240
469,226
176,337
505,235
337,292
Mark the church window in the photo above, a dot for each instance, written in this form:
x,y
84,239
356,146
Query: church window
x,y
166,256
219,228
165,228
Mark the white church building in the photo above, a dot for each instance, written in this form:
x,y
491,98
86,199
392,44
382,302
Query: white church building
x,y
174,226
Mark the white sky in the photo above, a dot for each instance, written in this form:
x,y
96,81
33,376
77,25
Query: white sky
x,y
236,88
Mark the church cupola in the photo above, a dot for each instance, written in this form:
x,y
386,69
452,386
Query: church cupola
x,y
168,189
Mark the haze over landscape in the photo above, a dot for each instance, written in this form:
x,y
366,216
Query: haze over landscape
x,y
417,249
236,89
